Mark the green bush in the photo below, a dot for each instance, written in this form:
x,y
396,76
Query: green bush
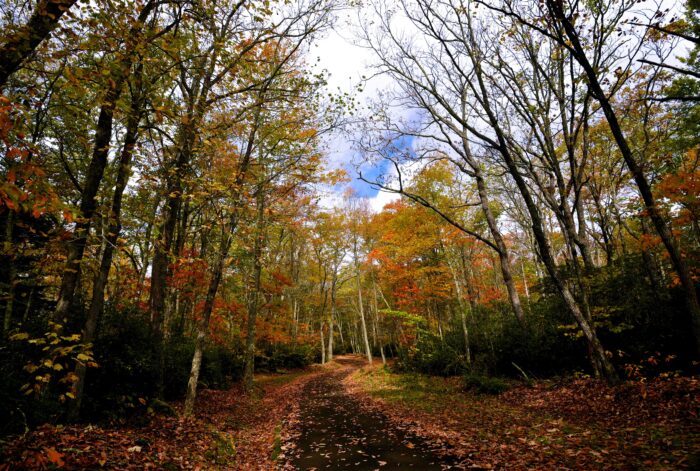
x,y
283,356
484,384
126,379
431,355
19,412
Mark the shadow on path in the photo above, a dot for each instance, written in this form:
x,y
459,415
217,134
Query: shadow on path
x,y
336,432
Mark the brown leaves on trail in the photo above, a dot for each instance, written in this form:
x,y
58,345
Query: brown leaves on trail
x,y
163,441
230,431
582,424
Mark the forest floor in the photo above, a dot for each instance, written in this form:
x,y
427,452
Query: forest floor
x,y
348,415
230,430
574,424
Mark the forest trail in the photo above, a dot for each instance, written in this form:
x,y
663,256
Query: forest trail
x,y
336,432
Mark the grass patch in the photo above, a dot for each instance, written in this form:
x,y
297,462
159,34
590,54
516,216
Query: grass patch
x,y
222,450
278,379
277,445
412,389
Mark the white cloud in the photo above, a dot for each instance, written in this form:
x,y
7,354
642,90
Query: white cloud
x,y
381,199
348,64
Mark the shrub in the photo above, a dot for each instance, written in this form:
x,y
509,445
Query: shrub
x,y
126,352
285,357
432,356
484,384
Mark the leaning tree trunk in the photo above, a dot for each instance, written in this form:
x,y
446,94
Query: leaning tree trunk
x,y
662,228
95,173
88,204
113,231
215,280
599,358
503,252
217,273
253,301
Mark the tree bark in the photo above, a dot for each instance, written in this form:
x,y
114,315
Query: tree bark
x,y
217,274
25,40
96,168
330,325
635,169
253,301
111,239
603,367
361,310
11,272
462,312
204,325
503,252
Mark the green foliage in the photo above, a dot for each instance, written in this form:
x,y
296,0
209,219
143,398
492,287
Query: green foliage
x,y
19,412
406,317
634,321
687,116
285,356
54,355
127,353
484,384
431,356
539,347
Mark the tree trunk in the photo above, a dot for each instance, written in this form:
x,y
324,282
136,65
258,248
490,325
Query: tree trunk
x,y
323,344
503,252
111,239
462,313
253,302
604,368
163,247
9,256
361,309
330,324
636,170
25,40
98,162
215,281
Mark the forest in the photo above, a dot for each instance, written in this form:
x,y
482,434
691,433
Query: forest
x,y
194,276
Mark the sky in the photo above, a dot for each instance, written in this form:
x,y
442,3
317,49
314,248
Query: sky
x,y
347,64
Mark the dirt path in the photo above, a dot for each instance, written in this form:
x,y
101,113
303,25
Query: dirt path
x,y
333,431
